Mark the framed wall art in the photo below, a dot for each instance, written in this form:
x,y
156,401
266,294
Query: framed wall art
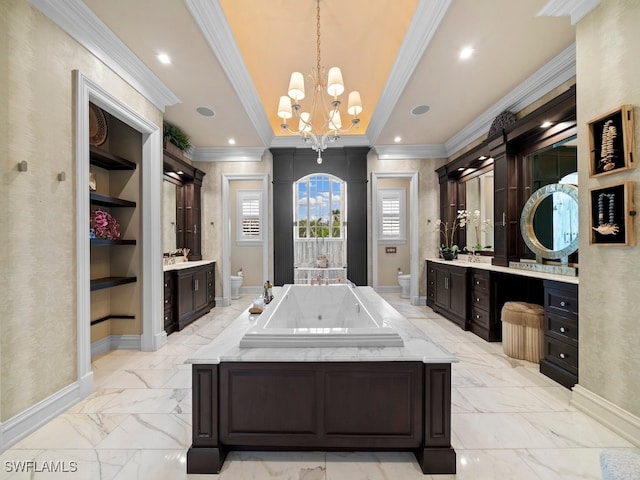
x,y
611,143
612,214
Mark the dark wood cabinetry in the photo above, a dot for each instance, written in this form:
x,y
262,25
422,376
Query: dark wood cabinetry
x,y
189,294
188,203
560,360
482,318
450,292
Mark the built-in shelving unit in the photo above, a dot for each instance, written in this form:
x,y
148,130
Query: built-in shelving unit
x,y
115,263
108,282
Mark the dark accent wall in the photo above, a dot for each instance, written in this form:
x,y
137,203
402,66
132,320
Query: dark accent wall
x,y
291,164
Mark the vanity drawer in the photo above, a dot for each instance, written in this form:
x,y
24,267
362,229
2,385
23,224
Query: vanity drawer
x,y
480,299
480,317
480,281
561,353
561,302
562,328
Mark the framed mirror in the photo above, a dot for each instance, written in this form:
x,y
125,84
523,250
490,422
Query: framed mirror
x,y
549,222
168,216
479,198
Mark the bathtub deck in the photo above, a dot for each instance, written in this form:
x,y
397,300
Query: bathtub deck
x,y
346,398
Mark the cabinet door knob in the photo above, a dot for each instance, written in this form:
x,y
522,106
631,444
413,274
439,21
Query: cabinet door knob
x,y
477,316
562,329
563,304
562,355
477,282
477,299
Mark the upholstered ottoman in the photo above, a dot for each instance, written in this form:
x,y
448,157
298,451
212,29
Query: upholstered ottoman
x,y
620,465
522,331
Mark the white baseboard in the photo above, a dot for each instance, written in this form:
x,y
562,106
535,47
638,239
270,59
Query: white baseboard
x,y
29,420
116,342
609,414
388,289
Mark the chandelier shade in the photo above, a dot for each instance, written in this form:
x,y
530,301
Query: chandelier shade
x,y
316,127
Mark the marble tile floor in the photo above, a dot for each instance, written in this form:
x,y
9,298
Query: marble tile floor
x,y
508,421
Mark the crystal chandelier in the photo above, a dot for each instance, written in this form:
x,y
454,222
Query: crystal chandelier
x,y
318,128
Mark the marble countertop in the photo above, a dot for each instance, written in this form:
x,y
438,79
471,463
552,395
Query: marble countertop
x,y
486,265
182,265
417,347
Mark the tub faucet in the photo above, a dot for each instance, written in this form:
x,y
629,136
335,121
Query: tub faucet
x,y
267,294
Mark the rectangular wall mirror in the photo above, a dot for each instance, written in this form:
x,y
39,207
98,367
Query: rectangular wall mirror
x,y
479,198
168,216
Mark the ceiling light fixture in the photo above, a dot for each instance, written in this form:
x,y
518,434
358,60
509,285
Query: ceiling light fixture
x,y
466,52
318,126
232,141
397,139
163,58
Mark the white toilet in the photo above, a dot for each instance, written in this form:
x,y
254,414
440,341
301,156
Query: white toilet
x,y
405,284
236,283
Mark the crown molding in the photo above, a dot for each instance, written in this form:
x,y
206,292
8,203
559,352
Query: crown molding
x,y
576,9
228,154
75,18
404,152
556,72
425,22
295,141
211,20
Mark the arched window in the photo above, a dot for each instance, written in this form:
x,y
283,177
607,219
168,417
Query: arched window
x,y
320,224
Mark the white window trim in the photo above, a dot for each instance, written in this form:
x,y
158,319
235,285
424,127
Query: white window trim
x,y
398,194
241,197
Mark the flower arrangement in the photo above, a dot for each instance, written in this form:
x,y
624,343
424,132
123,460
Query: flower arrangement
x,y
103,225
465,217
448,234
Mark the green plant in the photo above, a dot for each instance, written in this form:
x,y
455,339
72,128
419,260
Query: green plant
x,y
174,135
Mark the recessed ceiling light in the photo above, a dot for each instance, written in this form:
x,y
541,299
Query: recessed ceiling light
x,y
204,111
466,52
546,124
397,139
232,141
420,110
164,58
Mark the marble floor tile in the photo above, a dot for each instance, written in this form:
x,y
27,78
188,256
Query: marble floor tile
x,y
508,422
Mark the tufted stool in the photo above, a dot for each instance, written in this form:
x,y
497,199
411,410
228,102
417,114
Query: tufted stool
x,y
620,465
522,335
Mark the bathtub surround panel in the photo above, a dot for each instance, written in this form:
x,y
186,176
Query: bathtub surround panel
x,y
349,398
347,406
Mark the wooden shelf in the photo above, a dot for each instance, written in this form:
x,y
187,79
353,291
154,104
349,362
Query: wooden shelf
x,y
109,317
109,201
108,161
108,282
105,242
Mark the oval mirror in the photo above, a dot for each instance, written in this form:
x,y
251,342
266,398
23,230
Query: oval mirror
x,y
549,222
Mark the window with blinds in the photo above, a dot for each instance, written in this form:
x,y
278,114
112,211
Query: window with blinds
x,y
392,215
249,216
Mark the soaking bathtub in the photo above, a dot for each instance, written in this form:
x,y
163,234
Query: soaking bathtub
x,y
320,396
320,316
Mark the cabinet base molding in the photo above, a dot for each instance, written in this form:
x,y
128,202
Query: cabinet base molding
x,y
116,342
608,413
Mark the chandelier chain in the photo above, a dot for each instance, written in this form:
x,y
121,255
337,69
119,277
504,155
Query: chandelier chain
x,y
318,38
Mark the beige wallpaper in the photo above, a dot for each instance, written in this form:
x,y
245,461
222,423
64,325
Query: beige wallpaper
x,y
38,302
608,71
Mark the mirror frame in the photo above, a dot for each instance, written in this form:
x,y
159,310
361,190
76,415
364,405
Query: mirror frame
x,y
526,223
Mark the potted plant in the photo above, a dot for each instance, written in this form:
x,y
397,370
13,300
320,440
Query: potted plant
x,y
448,250
173,136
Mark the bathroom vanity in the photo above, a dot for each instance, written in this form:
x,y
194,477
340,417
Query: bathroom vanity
x,y
322,398
189,293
